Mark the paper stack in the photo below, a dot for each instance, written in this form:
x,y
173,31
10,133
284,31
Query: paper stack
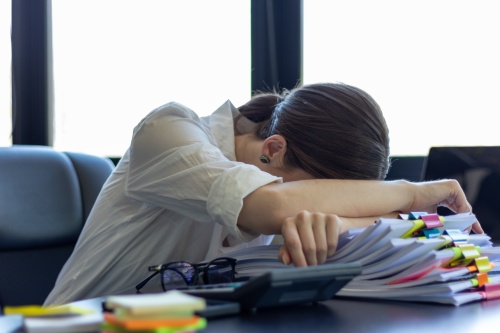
x,y
419,257
168,312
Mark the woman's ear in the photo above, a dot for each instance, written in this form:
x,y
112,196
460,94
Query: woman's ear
x,y
274,147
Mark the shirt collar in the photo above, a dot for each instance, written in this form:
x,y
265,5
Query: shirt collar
x,y
223,128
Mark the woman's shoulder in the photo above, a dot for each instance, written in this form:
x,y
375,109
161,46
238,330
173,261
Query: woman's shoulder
x,y
165,115
173,109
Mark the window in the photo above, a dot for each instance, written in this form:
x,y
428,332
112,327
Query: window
x,y
5,75
116,60
433,66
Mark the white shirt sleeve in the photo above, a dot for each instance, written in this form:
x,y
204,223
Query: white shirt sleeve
x,y
175,164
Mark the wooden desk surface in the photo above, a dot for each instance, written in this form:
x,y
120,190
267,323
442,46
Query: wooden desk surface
x,y
352,316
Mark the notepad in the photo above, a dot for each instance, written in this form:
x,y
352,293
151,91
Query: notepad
x,y
172,311
54,319
169,302
64,324
151,323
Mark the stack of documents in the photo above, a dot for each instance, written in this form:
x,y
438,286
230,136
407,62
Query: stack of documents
x,y
418,257
170,312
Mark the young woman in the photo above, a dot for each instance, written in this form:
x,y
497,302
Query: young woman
x,y
308,165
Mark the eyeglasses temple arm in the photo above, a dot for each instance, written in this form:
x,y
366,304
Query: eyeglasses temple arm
x,y
146,280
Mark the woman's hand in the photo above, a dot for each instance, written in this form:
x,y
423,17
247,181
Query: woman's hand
x,y
447,193
309,238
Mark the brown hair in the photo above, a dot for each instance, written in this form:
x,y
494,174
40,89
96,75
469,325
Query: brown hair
x,y
332,130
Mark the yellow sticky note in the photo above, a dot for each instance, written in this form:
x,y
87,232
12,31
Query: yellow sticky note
x,y
37,310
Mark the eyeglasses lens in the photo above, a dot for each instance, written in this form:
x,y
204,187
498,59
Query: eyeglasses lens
x,y
220,271
178,275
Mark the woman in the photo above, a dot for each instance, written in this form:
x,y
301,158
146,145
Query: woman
x,y
308,165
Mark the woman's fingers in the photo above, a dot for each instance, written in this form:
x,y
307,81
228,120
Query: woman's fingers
x,y
292,242
333,227
476,227
309,238
284,256
320,237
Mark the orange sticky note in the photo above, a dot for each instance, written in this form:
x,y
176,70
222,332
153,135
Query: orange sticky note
x,y
148,324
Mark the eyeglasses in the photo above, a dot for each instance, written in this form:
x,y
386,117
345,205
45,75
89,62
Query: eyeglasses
x,y
182,273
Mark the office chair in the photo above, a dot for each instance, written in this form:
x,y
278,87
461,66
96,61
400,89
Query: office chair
x,y
45,198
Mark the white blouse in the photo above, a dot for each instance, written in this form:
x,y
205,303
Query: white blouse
x,y
175,195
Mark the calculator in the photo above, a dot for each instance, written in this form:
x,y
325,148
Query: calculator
x,y
283,286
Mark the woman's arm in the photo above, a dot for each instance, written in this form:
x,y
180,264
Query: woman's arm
x,y
336,206
265,209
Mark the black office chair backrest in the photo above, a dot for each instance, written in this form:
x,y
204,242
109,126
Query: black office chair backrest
x,y
45,198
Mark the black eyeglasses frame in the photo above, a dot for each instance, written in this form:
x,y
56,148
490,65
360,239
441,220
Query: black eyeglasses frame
x,y
198,269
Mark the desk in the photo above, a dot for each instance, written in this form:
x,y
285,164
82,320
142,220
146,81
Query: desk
x,y
352,316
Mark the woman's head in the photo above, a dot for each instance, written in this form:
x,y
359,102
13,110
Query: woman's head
x,y
332,130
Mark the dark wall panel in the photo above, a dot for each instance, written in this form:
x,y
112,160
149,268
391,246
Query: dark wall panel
x,y
31,72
